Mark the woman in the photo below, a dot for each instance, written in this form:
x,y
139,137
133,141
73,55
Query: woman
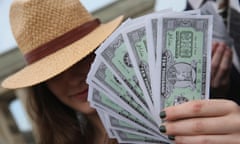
x,y
56,102
57,39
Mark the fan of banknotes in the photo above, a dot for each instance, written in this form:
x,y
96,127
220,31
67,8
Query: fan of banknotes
x,y
146,64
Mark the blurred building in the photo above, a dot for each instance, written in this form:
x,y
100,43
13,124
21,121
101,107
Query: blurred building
x,y
12,61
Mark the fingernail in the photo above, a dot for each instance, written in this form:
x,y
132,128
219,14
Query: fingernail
x,y
162,129
172,138
162,114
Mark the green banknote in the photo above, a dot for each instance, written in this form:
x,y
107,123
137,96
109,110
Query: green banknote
x,y
105,78
100,99
185,58
118,124
136,42
115,54
126,137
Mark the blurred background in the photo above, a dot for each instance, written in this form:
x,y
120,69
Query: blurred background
x,y
15,125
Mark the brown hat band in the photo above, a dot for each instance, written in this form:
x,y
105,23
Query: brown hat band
x,y
61,41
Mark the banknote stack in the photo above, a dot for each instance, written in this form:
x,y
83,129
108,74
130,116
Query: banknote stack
x,y
146,64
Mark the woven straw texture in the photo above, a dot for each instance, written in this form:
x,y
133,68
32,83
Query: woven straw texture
x,y
35,22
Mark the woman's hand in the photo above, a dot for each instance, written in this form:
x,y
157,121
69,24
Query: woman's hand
x,y
220,67
203,122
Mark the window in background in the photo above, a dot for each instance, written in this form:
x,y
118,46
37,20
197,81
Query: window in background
x,y
20,116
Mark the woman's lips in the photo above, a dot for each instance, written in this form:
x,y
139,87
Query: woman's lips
x,y
82,95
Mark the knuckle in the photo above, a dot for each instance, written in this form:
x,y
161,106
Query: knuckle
x,y
196,107
198,126
205,140
224,68
214,65
222,45
229,54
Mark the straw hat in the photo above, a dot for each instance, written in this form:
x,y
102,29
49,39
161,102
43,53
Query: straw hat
x,y
53,35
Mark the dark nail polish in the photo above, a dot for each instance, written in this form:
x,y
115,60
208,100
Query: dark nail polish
x,y
171,137
162,129
162,114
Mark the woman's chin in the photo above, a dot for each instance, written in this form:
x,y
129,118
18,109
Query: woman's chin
x,y
86,109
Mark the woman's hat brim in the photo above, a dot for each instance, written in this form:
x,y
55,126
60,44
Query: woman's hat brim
x,y
61,60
